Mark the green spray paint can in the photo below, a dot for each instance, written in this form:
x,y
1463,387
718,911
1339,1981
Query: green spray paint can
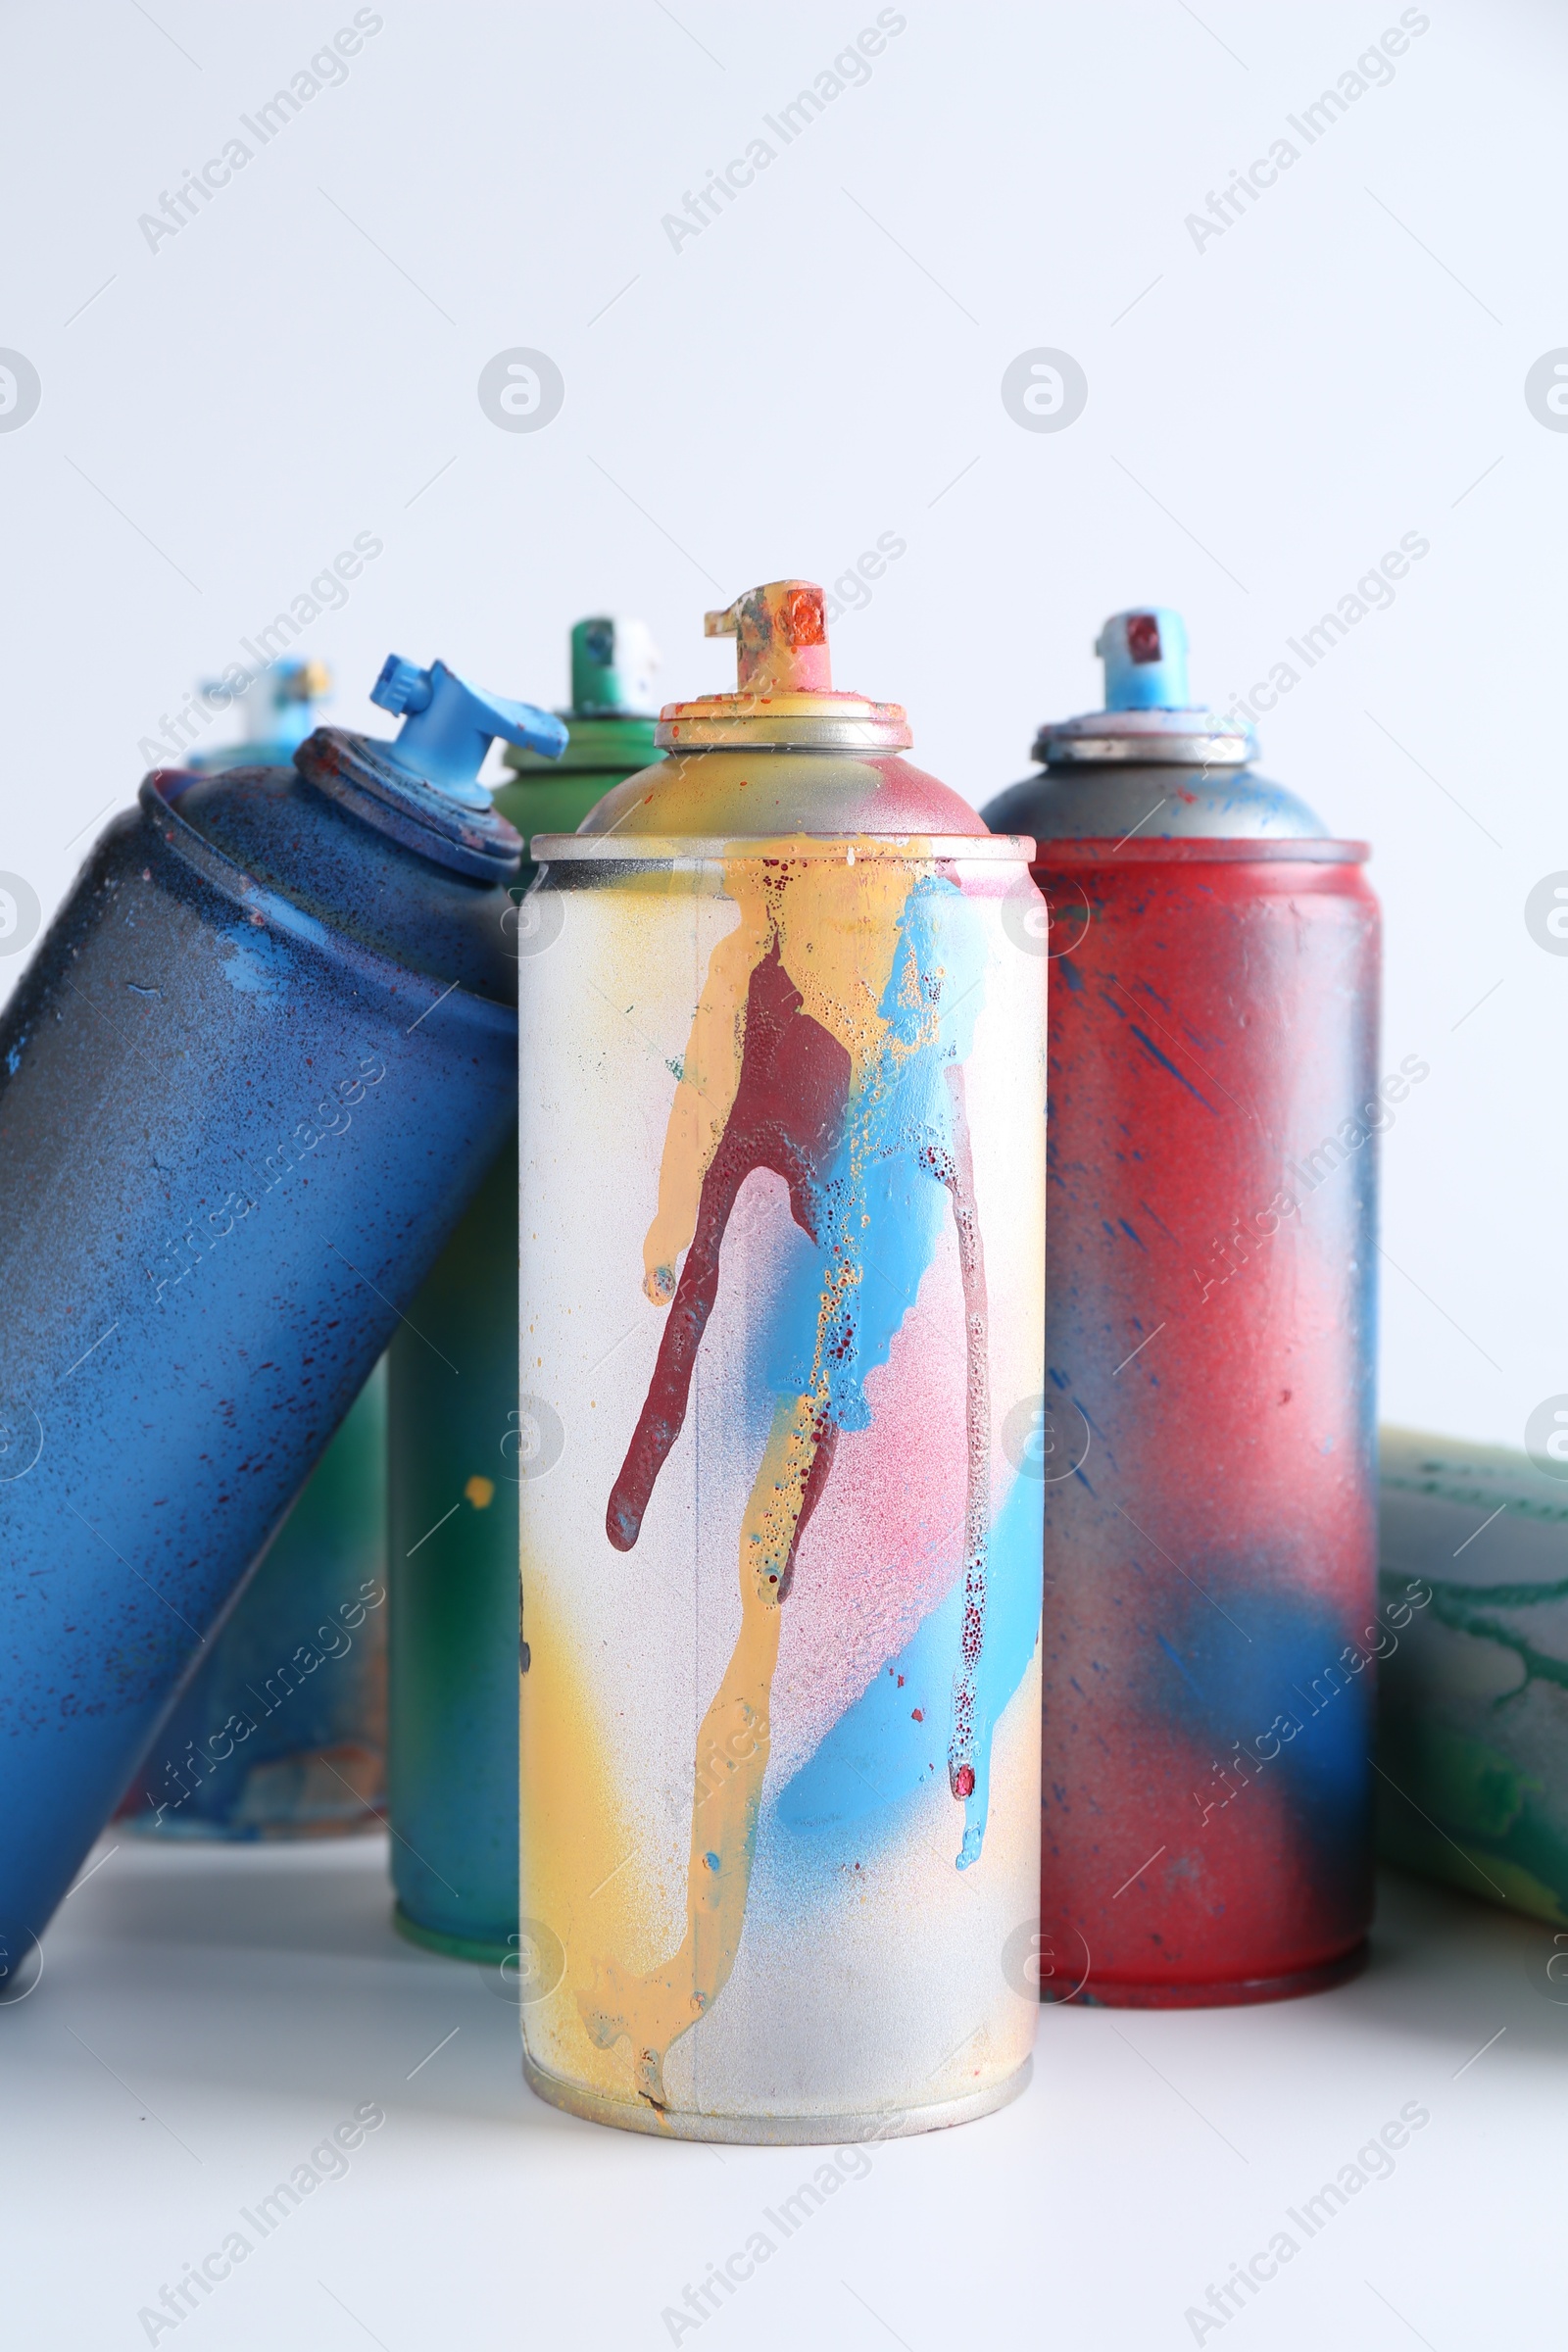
x,y
458,1441
1473,1673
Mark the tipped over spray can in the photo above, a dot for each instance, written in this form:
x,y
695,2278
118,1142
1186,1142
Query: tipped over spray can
x,y
299,1669
459,1446
1204,1447
256,1065
1473,1680
782,1188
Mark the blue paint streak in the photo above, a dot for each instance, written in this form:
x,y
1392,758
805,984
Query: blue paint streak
x,y
884,1203
1152,1049
876,1757
1293,1666
1180,1665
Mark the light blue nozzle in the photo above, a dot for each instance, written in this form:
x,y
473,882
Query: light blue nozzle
x,y
449,725
276,710
1145,653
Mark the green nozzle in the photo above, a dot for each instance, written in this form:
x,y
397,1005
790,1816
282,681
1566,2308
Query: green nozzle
x,y
610,726
612,665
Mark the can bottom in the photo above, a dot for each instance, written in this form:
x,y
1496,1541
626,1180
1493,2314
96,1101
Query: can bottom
x,y
487,1951
1112,1992
775,2131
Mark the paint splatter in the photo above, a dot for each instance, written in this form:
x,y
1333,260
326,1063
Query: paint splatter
x,y
827,1048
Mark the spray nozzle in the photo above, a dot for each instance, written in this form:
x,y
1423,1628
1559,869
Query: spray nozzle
x,y
1144,653
276,705
612,665
782,633
449,725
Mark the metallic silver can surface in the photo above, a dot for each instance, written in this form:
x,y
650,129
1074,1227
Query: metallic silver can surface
x,y
782,1244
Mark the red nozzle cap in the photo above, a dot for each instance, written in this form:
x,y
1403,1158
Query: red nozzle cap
x,y
782,634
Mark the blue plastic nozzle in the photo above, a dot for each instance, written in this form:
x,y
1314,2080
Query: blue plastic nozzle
x,y
1145,653
449,725
276,710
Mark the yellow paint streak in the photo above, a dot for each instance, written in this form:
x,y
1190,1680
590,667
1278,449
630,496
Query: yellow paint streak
x,y
837,931
835,925
732,1748
580,1871
711,1071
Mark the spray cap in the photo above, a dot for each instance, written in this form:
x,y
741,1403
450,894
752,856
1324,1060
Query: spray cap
x,y
780,634
1147,713
1145,654
612,665
784,683
276,710
448,726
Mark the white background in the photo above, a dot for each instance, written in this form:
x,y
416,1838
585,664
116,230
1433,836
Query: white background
x,y
206,2017
813,370
822,367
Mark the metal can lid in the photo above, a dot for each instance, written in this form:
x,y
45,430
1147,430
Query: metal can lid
x,y
1188,737
1148,716
684,849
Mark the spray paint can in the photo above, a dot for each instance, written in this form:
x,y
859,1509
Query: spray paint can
x,y
258,1063
1205,1448
1473,1681
458,1446
275,709
782,1180
300,1665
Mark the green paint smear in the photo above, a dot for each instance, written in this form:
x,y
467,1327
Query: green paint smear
x,y
1472,1817
1462,1608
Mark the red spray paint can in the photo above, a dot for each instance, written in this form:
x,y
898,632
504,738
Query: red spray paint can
x,y
1205,1434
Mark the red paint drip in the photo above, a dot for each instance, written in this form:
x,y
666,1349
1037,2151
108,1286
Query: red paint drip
x,y
958,1173
787,1115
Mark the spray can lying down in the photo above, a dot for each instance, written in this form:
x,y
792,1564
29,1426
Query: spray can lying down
x,y
262,1742
1473,1687
1207,1424
258,1063
782,1167
458,1448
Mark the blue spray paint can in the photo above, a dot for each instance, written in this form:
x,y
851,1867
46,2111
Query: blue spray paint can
x,y
264,1054
299,1670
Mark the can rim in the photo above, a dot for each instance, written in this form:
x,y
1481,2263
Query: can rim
x,y
1299,849
692,848
160,795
